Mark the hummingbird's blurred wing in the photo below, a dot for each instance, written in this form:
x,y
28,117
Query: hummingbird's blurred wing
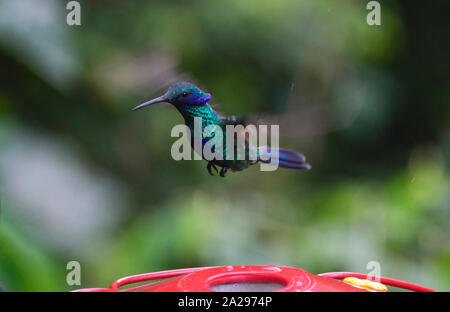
x,y
260,123
248,126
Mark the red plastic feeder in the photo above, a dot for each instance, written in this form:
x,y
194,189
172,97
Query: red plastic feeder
x,y
252,278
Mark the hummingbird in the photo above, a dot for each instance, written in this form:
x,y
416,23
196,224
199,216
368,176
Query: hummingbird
x,y
193,103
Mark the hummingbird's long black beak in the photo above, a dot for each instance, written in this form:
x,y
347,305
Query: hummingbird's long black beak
x,y
156,100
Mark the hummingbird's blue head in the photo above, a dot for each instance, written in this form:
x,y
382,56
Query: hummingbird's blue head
x,y
181,94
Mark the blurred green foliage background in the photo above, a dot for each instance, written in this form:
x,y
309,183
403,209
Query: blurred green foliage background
x,y
84,178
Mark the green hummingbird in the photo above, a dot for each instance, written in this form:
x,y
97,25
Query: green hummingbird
x,y
193,103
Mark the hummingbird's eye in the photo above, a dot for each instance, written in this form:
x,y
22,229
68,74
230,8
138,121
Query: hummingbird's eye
x,y
184,94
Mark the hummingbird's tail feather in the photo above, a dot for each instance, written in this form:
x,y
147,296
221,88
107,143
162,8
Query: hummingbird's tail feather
x,y
294,165
286,158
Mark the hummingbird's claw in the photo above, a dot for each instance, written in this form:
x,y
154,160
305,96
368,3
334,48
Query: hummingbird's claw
x,y
223,171
211,165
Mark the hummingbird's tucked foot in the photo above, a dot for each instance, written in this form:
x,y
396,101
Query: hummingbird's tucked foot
x,y
223,171
211,165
